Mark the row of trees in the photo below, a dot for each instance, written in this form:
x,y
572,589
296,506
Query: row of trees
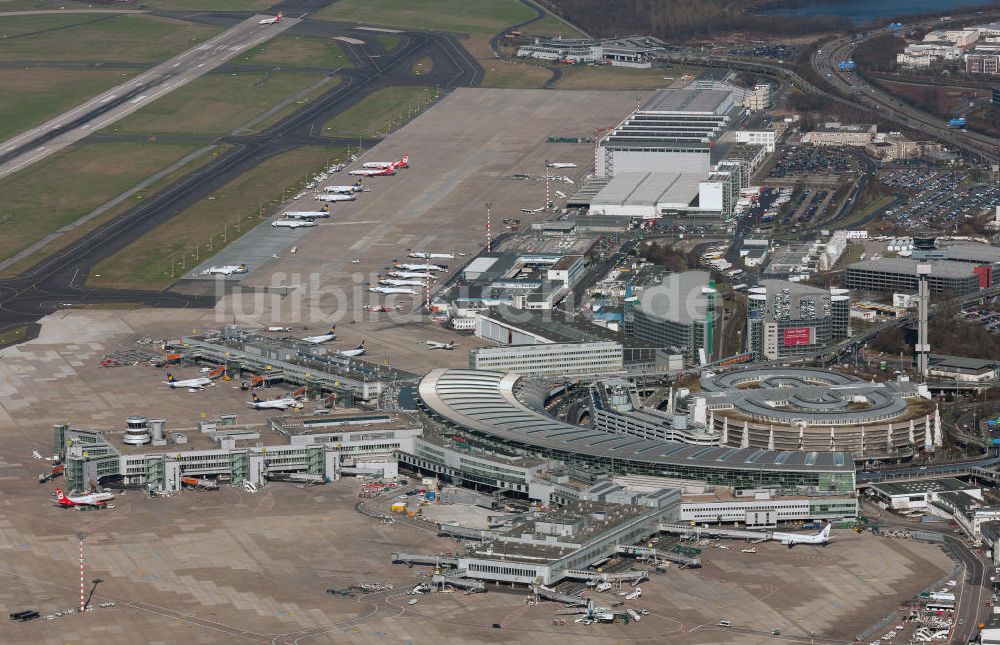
x,y
673,259
947,336
685,19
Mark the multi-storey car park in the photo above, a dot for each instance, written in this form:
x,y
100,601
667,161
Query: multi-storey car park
x,y
496,412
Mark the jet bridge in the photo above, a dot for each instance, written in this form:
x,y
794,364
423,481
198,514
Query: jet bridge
x,y
631,576
557,596
414,558
457,578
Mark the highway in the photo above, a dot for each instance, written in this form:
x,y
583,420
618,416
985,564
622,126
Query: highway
x,y
115,104
59,280
825,60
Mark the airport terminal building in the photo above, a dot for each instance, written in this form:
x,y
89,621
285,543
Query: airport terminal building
x,y
496,412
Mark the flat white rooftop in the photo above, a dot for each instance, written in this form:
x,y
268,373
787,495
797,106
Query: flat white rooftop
x,y
687,100
675,189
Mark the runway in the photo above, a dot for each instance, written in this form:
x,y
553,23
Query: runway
x,y
115,104
59,280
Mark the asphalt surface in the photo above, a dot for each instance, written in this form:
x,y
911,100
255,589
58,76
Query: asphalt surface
x,y
825,62
115,104
59,280
970,600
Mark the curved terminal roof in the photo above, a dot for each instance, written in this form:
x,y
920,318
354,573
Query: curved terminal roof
x,y
484,402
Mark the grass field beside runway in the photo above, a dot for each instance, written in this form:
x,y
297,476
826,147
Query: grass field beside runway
x,y
34,95
551,26
215,103
49,195
373,113
481,19
296,51
132,38
209,5
30,5
196,233
81,229
460,16
389,42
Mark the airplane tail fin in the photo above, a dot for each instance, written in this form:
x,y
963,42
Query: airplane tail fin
x,y
61,497
362,345
825,533
406,158
170,378
279,16
255,398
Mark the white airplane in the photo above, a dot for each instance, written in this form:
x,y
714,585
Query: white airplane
x,y
532,211
351,353
226,270
90,499
324,338
435,345
791,539
560,164
388,290
282,403
560,194
421,255
305,214
399,163
392,282
335,197
292,223
356,261
271,21
279,329
421,267
374,172
36,454
412,274
353,188
194,383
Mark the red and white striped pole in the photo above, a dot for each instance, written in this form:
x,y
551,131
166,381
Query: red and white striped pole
x,y
489,231
547,202
82,592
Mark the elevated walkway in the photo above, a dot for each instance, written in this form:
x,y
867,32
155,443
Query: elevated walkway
x,y
457,578
416,558
650,552
558,596
698,531
631,576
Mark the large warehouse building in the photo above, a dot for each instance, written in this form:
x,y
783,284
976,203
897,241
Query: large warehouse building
x,y
675,157
674,130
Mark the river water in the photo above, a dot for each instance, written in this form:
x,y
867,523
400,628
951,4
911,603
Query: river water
x,y
865,11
